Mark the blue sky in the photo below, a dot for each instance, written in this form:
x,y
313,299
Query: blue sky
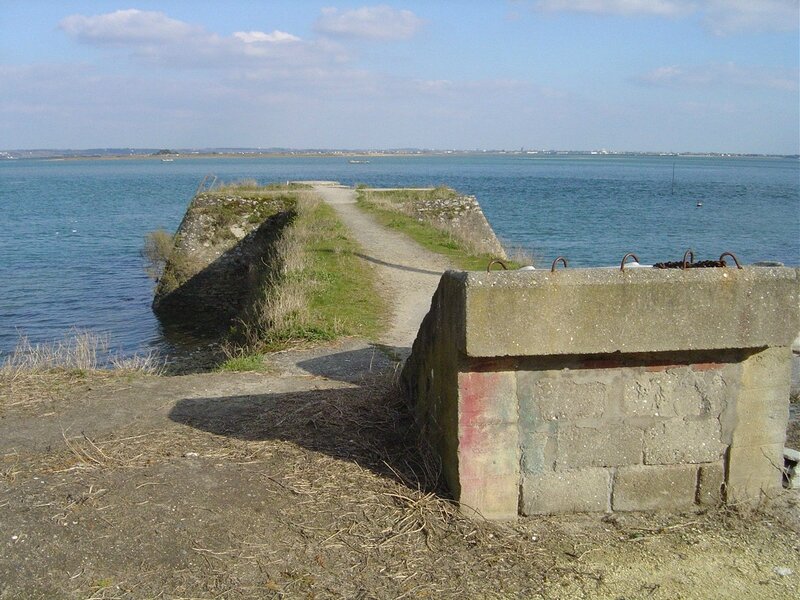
x,y
650,75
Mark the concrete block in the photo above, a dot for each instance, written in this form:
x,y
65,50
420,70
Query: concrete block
x,y
602,446
658,487
753,471
769,368
654,394
583,490
710,481
494,498
678,441
488,451
677,392
577,311
560,395
487,398
715,388
762,415
538,450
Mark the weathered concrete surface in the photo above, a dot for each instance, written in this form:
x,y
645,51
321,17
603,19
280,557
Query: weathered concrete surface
x,y
600,311
600,394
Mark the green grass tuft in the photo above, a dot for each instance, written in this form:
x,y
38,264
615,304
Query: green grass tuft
x,y
243,363
394,215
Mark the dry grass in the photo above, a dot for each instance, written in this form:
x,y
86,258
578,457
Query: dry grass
x,y
281,305
39,372
158,246
327,493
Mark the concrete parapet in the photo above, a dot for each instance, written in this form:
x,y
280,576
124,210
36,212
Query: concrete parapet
x,y
599,390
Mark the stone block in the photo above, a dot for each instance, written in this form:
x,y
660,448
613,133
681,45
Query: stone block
x,y
583,490
710,481
753,471
657,487
494,498
561,395
602,446
678,441
487,398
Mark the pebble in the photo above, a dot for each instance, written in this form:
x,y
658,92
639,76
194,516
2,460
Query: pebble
x,y
783,571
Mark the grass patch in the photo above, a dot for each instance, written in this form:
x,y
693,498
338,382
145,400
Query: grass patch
x,y
313,287
395,209
244,363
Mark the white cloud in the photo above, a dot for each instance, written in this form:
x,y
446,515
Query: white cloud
x,y
721,17
255,37
722,75
726,17
155,38
370,22
660,8
127,26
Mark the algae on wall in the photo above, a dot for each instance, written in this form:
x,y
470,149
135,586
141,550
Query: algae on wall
x,y
219,254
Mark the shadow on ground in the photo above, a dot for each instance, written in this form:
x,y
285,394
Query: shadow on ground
x,y
356,363
370,425
378,261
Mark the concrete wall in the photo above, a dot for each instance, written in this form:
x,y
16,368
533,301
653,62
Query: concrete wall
x,y
600,390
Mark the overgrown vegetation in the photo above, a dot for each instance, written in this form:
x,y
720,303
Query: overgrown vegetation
x,y
313,287
435,219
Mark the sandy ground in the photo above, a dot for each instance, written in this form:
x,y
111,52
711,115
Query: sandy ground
x,y
309,482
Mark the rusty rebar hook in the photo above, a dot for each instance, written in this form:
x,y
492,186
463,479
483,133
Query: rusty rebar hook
x,y
626,257
555,262
691,260
733,256
496,261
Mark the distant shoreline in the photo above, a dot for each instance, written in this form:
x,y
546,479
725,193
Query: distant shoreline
x,y
59,155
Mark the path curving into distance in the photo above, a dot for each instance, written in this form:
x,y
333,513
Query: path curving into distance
x,y
409,274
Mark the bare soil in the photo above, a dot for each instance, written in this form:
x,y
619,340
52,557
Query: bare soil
x,y
309,482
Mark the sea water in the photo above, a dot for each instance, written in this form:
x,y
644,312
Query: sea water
x,y
72,231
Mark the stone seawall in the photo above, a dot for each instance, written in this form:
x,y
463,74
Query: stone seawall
x,y
601,390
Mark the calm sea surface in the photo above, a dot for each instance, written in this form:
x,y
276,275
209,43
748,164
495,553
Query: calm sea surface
x,y
72,230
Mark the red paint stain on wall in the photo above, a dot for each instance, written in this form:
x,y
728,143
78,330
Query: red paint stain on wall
x,y
476,392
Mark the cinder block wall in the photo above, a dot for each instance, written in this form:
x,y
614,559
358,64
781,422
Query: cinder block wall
x,y
598,390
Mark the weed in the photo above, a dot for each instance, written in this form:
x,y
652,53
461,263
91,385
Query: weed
x,y
158,246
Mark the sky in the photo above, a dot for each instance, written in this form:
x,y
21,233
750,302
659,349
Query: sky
x,y
621,75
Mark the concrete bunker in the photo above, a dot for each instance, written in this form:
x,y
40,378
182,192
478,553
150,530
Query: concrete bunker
x,y
607,390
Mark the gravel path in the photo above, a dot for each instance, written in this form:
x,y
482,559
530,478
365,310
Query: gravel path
x,y
409,274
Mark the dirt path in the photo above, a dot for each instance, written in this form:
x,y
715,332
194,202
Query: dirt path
x,y
409,274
